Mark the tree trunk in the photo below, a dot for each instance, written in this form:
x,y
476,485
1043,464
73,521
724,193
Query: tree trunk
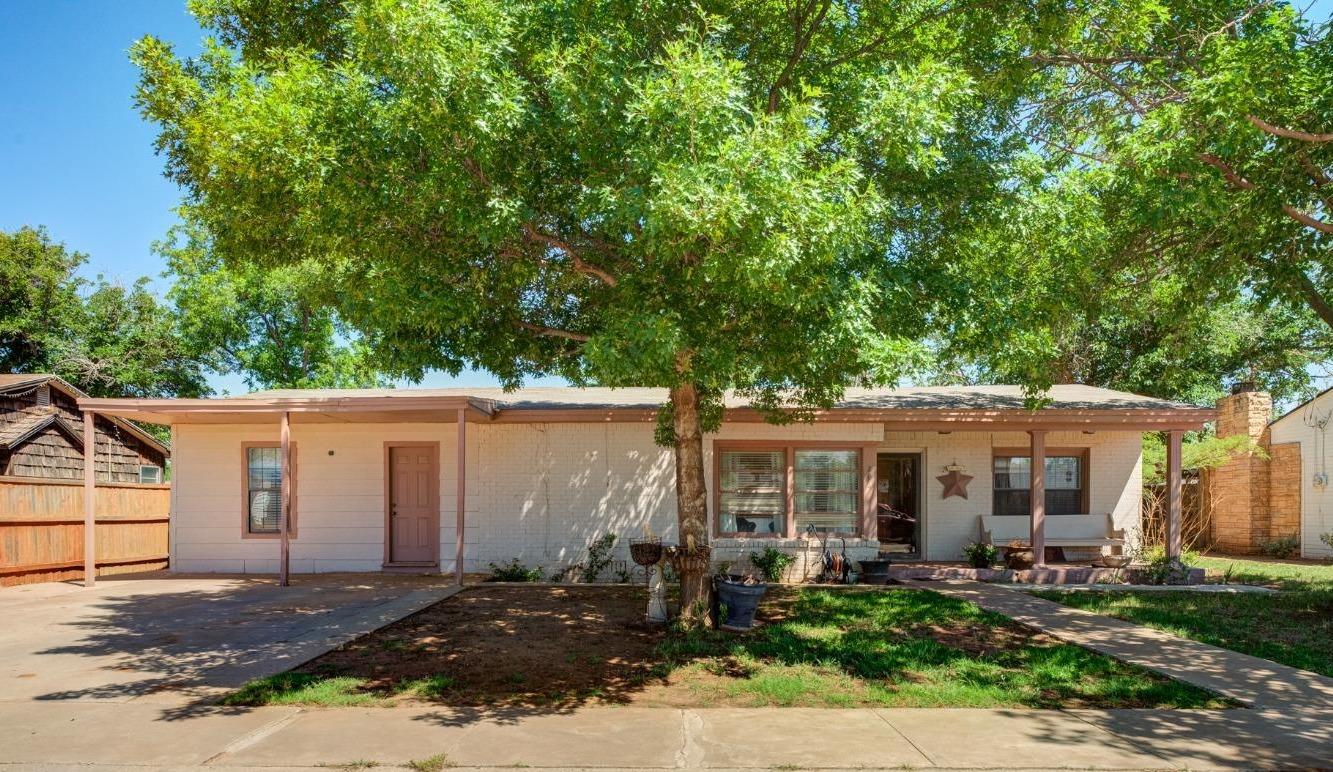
x,y
691,504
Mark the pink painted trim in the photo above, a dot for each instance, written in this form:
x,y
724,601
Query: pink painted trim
x,y
89,499
285,499
1173,494
1037,497
460,497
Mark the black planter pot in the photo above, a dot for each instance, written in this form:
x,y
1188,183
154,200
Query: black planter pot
x,y
740,601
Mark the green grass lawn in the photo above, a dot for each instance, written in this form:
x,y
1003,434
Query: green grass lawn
x,y
816,648
1294,627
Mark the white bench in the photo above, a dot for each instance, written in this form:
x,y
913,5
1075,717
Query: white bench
x,y
1092,531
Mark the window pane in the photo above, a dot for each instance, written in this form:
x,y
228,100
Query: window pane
x,y
1062,473
150,474
1011,502
1013,472
827,492
264,478
1064,502
1064,485
753,492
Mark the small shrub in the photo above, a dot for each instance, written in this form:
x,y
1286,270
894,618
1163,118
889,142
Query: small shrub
x,y
1281,547
1327,538
514,571
981,555
1159,569
599,557
772,563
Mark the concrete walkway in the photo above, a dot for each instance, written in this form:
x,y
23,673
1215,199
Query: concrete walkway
x,y
1250,680
88,734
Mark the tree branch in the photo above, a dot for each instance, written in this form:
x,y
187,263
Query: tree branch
x,y
1278,131
1227,171
579,264
802,40
1306,219
553,332
1314,298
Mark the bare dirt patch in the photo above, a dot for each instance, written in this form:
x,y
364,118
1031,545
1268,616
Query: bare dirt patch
x,y
512,645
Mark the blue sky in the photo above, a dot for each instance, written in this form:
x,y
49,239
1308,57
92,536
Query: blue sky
x,y
75,156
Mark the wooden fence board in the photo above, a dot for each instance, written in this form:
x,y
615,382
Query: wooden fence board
x,y
41,529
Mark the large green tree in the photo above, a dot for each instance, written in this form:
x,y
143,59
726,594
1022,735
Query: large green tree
x,y
1209,127
729,195
1077,311
267,324
105,338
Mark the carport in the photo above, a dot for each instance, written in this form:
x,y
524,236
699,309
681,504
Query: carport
x,y
284,411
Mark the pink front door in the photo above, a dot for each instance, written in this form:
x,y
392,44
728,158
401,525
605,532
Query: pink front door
x,y
414,504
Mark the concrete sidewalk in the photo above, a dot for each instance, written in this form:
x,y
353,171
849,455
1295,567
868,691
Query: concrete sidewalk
x,y
1249,680
48,735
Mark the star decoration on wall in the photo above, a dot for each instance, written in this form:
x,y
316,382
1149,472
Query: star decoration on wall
x,y
955,483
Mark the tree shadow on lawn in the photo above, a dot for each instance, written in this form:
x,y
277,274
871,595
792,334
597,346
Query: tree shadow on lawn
x,y
504,652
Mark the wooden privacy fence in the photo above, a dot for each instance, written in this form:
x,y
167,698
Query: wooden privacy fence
x,y
41,528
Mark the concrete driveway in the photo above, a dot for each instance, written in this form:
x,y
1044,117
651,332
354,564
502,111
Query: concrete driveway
x,y
177,640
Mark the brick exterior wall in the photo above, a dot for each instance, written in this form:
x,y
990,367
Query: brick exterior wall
x,y
1253,499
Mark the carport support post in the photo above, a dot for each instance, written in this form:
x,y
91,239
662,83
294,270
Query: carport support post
x,y
1037,498
460,496
89,499
1173,491
285,494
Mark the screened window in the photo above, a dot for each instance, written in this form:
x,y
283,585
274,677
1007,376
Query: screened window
x,y
753,488
828,490
1064,485
150,474
263,489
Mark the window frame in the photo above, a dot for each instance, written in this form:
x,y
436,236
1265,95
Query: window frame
x,y
160,471
1083,454
245,492
866,476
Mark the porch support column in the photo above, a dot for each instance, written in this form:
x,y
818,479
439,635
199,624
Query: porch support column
x,y
460,496
89,499
1173,491
1037,497
285,502
869,515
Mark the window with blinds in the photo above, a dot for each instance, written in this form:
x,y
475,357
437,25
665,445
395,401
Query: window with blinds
x,y
263,490
1013,485
753,491
828,490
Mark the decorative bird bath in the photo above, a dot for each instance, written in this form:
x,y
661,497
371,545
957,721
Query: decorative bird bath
x,y
648,553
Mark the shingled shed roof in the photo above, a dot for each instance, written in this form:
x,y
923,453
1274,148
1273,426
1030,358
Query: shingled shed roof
x,y
22,431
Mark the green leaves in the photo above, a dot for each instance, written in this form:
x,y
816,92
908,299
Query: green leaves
x,y
106,339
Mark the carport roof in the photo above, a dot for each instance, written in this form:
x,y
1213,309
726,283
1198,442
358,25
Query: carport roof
x,y
925,408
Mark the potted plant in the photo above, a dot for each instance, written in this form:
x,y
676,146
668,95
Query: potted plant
x,y
737,599
981,555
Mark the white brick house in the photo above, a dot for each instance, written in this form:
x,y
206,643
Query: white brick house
x,y
374,479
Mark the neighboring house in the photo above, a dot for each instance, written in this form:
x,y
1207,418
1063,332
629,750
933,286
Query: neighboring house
x,y
376,483
1285,492
41,435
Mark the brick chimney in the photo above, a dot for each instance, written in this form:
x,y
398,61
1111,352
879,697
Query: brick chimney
x,y
1239,489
